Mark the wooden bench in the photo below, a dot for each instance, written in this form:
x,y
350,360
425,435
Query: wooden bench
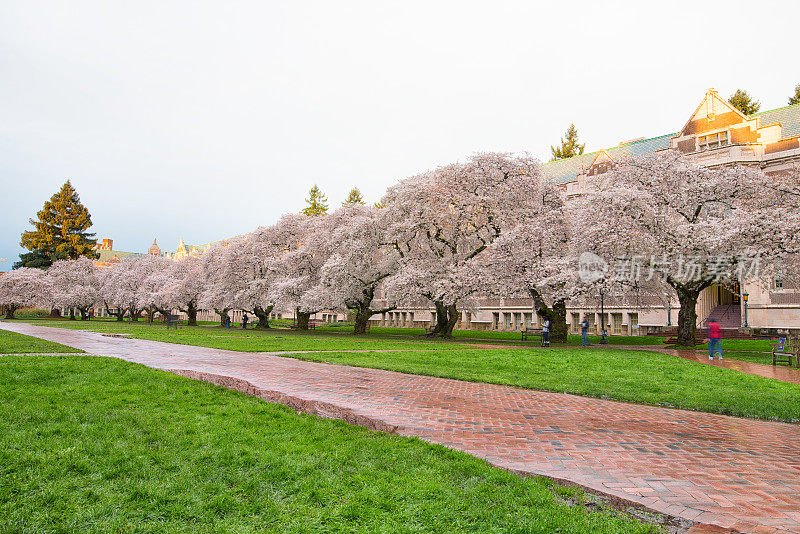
x,y
171,320
527,332
786,351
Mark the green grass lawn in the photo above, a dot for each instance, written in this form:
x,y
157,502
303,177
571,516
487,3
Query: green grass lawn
x,y
91,444
250,340
13,343
627,375
471,335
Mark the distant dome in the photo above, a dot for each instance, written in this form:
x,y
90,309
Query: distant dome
x,y
154,250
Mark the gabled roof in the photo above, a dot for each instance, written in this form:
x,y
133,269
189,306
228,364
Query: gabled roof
x,y
715,102
788,116
566,170
106,255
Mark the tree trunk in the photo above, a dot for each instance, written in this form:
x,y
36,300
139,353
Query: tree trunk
x,y
119,314
362,310
687,316
362,320
191,314
263,316
10,311
55,312
301,319
688,293
558,322
557,315
134,313
452,318
72,314
84,313
223,314
441,319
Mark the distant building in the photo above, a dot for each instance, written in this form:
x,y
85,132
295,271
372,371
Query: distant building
x,y
154,250
184,251
109,256
715,134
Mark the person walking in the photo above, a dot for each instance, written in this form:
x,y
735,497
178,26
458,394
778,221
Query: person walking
x,y
244,320
585,331
546,333
714,338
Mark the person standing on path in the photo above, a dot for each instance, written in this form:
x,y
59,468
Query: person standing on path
x,y
244,321
546,333
714,337
585,331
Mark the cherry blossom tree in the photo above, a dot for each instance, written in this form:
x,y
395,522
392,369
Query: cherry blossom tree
x,y
219,291
112,299
149,274
537,257
693,225
183,287
785,189
21,287
123,288
155,275
241,273
359,259
74,284
297,268
443,219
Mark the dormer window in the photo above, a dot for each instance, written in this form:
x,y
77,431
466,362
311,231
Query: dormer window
x,y
707,142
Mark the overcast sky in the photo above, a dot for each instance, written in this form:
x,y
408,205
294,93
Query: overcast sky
x,y
205,120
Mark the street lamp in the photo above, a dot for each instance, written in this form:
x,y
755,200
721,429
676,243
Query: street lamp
x,y
746,298
602,319
669,309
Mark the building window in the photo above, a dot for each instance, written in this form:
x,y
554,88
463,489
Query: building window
x,y
706,142
779,283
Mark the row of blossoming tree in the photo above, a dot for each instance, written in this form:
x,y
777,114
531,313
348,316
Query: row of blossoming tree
x,y
491,226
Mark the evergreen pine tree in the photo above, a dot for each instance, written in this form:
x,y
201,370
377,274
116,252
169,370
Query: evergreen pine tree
x,y
354,198
317,203
795,98
744,102
38,259
60,231
569,146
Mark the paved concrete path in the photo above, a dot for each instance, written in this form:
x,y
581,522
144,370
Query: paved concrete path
x,y
725,471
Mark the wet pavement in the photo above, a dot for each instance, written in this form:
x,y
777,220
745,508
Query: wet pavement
x,y
716,470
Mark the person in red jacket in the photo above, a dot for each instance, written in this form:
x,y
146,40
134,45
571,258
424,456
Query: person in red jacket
x,y
714,338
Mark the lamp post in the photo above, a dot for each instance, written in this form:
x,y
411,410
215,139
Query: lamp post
x,y
602,319
669,309
746,297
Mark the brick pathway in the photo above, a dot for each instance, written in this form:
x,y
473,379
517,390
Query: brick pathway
x,y
733,473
